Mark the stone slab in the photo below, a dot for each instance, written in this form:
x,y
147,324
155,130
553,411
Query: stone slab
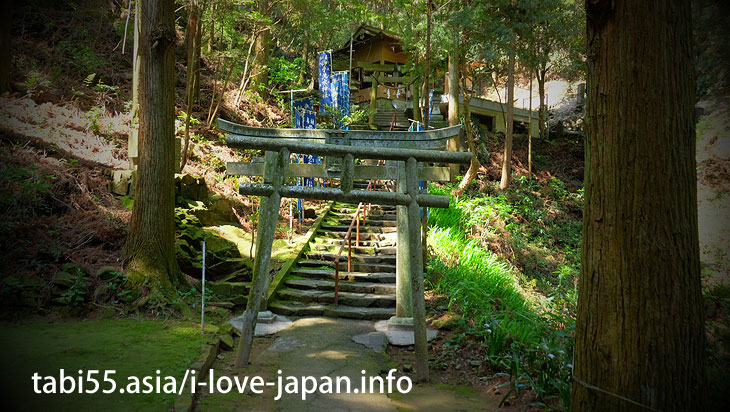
x,y
398,336
280,323
286,344
373,340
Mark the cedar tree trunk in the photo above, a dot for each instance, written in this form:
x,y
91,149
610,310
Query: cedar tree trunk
x,y
149,251
640,329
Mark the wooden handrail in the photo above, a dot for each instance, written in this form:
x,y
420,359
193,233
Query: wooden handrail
x,y
348,238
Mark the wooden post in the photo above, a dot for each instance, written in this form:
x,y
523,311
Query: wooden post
x,y
416,258
373,102
274,174
403,294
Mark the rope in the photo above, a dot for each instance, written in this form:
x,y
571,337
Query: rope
x,y
615,395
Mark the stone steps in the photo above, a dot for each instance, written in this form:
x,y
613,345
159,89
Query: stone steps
x,y
363,235
363,242
381,277
367,228
365,300
356,266
369,222
294,308
329,285
318,255
370,250
366,292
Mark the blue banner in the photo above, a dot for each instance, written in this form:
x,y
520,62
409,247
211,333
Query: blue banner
x,y
341,95
325,81
305,118
304,115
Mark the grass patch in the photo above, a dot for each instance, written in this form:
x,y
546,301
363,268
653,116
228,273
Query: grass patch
x,y
526,333
131,347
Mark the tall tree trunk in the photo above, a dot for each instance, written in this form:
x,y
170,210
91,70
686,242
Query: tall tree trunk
x,y
211,37
261,58
541,114
218,95
149,251
454,144
507,162
192,75
197,45
427,75
416,102
5,56
133,142
246,76
474,165
640,329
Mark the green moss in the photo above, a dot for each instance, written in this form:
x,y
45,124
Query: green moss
x,y
132,348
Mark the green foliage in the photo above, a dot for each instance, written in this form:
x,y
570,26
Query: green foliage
x,y
77,50
24,191
75,295
127,202
115,290
525,334
333,116
93,116
35,82
284,73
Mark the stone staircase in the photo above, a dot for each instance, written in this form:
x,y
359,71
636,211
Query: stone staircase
x,y
365,292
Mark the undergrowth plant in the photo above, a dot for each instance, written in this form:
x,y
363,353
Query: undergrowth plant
x,y
528,336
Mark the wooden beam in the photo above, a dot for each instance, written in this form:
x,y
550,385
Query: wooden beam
x,y
430,174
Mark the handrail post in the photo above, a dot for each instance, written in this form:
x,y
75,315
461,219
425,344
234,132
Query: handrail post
x,y
337,278
357,233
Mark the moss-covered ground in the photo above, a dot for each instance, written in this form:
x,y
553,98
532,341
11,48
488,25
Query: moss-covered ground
x,y
130,347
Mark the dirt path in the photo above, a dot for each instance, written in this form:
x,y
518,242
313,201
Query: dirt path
x,y
321,347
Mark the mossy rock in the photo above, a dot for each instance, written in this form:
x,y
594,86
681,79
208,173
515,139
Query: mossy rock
x,y
229,289
226,329
191,187
448,322
243,274
225,267
226,341
220,289
222,255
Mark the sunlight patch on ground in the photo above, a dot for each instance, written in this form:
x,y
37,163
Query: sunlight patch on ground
x,y
70,130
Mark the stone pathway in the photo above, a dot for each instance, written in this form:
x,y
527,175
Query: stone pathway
x,y
320,346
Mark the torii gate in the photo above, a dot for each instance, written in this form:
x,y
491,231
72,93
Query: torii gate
x,y
406,148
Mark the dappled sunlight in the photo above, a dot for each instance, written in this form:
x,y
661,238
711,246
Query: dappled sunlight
x,y
332,354
69,129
